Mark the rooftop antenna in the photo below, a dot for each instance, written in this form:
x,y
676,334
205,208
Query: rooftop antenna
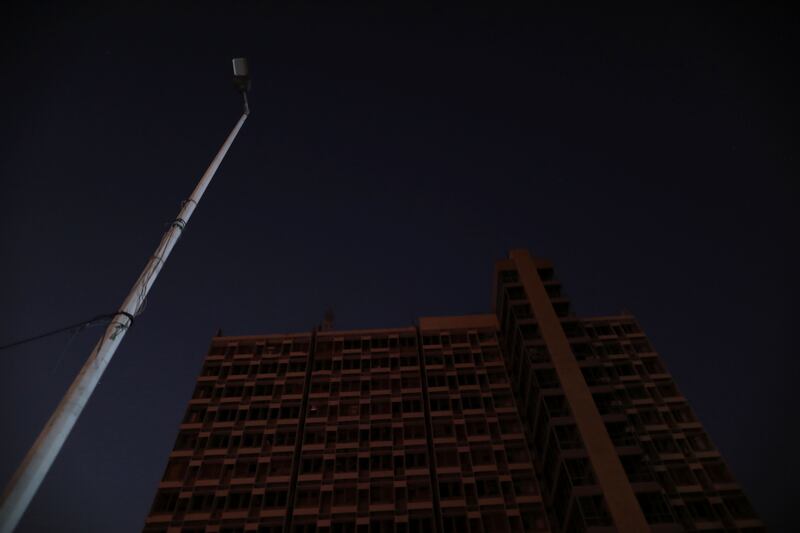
x,y
26,480
327,320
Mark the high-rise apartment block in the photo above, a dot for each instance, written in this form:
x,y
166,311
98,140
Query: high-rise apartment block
x,y
527,419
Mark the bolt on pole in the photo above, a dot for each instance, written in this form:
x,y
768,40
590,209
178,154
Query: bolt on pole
x,y
29,475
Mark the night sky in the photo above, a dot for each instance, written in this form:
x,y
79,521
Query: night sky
x,y
391,157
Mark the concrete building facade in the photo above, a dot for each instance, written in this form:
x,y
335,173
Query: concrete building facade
x,y
526,419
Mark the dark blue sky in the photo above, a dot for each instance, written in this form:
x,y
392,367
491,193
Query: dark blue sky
x,y
391,157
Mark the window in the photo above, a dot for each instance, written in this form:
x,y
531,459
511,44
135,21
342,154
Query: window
x,y
579,470
165,501
237,370
440,404
682,414
219,440
717,472
285,437
594,510
238,500
516,293
280,465
547,379
476,427
467,378
307,497
297,365
446,457
347,434
380,432
699,442
176,469
524,484
347,463
510,425
348,408
450,489
186,441
664,444
245,467
487,488
381,493
699,509
416,459
636,468
275,497
380,462
436,380
311,464
344,495
621,433
201,502
412,406
482,455
529,331
568,437
344,527
195,415
668,389
419,489
290,411
210,470
226,415
412,382
268,367
217,350
739,507
293,386
203,390
409,360
263,388
497,377
517,454
681,475
314,435
379,384
380,407
443,428
233,390
556,405
654,507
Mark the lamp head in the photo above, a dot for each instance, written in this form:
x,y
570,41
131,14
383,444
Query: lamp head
x,y
241,74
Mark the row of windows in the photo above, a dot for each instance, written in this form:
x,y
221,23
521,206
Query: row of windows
x,y
416,489
365,344
445,340
216,369
299,365
247,466
365,384
274,347
530,519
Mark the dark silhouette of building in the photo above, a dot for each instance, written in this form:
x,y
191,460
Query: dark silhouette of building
x,y
528,419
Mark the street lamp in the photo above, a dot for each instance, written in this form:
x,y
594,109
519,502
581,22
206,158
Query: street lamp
x,y
40,457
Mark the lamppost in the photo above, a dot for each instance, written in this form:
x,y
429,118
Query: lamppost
x,y
40,457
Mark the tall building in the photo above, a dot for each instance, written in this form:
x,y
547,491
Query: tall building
x,y
527,419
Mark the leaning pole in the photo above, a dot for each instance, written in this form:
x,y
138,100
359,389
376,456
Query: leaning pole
x,y
29,475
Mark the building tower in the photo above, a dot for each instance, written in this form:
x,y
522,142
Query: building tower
x,y
528,419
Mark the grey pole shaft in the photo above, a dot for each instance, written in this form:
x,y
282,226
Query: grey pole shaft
x,y
26,480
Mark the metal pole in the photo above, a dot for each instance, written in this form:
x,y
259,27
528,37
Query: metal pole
x,y
22,487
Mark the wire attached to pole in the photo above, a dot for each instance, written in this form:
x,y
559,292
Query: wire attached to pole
x,y
79,325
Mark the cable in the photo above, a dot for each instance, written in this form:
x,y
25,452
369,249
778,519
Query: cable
x,y
78,326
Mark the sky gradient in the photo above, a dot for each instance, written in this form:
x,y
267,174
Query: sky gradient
x,y
391,157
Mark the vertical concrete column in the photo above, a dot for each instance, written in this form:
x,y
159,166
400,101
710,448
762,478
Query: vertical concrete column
x,y
619,496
